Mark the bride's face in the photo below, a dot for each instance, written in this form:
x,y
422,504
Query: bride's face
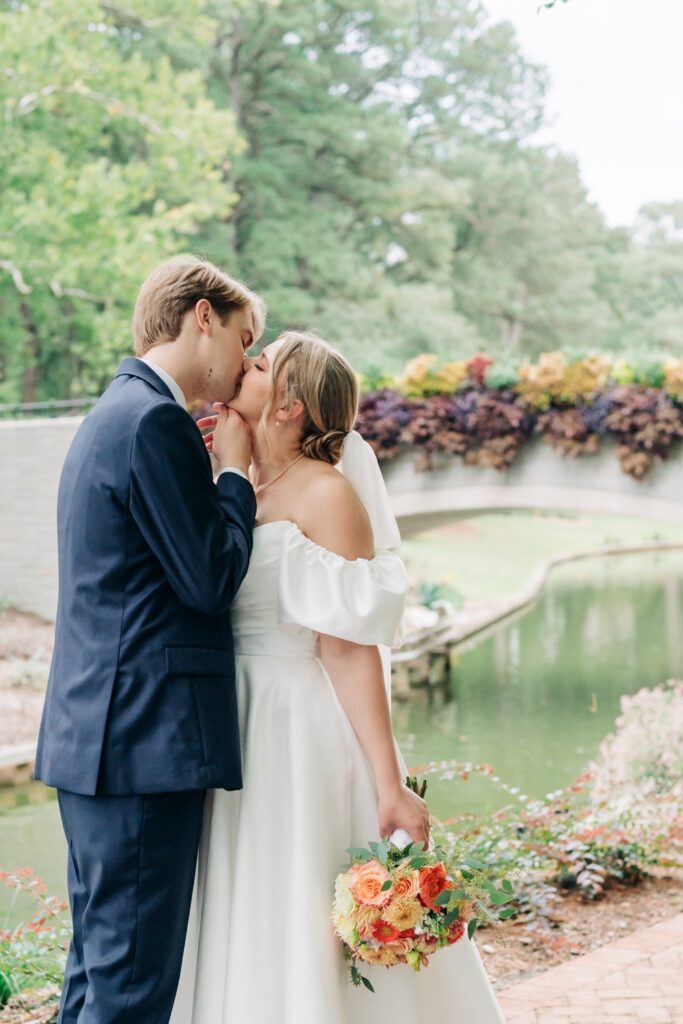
x,y
252,395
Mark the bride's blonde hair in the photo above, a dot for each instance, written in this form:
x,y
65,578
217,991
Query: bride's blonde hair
x,y
308,369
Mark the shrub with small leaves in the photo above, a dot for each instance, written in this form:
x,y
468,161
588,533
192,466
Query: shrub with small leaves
x,y
542,382
34,954
620,818
568,431
498,424
438,424
382,418
423,377
646,423
644,755
673,379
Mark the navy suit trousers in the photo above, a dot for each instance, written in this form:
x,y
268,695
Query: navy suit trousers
x,y
131,870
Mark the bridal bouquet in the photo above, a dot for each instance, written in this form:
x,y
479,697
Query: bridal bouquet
x,y
399,904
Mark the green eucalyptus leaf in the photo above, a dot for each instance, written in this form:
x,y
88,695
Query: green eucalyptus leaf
x,y
360,852
499,898
383,852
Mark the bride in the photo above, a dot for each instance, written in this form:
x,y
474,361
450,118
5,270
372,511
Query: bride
x,y
322,772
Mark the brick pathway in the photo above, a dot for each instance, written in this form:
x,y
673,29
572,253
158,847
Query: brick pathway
x,y
635,980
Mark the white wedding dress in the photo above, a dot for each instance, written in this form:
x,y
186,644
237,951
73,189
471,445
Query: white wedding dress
x,y
260,947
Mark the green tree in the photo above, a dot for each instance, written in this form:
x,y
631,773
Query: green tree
x,y
111,160
370,169
528,244
346,216
641,278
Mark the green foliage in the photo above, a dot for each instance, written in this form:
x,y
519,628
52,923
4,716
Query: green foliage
x,y
370,170
111,160
33,955
429,592
346,212
619,819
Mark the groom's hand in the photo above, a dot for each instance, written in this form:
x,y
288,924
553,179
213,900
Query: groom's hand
x,y
230,439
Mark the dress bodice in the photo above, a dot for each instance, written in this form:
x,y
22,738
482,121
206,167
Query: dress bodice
x,y
295,590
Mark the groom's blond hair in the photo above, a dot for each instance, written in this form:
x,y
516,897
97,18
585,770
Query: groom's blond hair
x,y
176,287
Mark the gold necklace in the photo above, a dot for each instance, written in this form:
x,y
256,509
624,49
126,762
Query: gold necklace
x,y
262,487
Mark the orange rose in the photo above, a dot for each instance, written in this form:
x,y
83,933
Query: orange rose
x,y
366,884
433,881
406,886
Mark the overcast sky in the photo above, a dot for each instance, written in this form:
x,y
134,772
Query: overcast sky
x,y
616,94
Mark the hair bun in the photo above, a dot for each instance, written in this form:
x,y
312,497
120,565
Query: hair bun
x,y
326,447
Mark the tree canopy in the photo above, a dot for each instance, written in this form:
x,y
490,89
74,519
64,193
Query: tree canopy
x,y
370,169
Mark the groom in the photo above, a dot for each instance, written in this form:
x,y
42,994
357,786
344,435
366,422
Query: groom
x,y
140,714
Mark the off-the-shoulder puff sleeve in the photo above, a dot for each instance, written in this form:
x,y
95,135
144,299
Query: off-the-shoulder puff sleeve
x,y
361,600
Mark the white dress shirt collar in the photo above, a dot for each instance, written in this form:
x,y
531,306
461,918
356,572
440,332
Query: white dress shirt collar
x,y
168,380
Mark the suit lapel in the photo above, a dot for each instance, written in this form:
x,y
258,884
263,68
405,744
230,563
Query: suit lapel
x,y
133,367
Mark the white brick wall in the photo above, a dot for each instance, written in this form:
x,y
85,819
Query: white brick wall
x,y
31,457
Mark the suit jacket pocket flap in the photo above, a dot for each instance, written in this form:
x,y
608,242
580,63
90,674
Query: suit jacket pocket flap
x,y
197,661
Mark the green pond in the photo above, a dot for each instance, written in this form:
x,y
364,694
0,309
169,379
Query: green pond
x,y
534,698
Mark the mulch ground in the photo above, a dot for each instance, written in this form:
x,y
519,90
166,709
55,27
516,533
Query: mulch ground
x,y
519,951
24,635
25,650
38,1007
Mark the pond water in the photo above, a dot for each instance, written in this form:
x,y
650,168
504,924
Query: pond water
x,y
534,698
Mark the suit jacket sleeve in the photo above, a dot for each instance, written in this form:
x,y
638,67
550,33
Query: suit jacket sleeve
x,y
201,532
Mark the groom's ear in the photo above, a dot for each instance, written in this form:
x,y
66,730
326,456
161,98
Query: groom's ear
x,y
202,314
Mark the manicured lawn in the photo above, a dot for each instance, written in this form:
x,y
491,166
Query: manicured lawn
x,y
492,555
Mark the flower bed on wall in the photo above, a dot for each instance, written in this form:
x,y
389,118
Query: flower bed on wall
x,y
485,413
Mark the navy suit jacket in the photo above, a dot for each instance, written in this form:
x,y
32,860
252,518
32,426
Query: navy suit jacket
x,y
141,694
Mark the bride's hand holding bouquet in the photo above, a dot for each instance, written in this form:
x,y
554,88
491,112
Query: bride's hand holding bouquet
x,y
403,807
399,901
